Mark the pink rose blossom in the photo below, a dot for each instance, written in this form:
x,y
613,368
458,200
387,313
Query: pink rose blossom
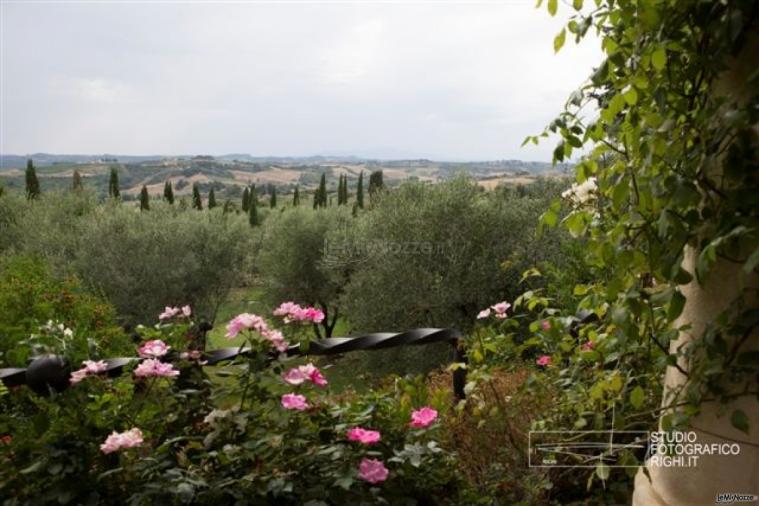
x,y
313,374
90,368
294,312
168,313
500,309
363,436
545,325
277,340
117,441
309,372
314,315
152,368
423,417
372,470
294,377
246,321
294,401
286,308
186,311
588,346
544,360
485,313
153,349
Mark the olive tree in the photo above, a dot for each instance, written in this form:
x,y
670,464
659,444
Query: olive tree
x,y
291,260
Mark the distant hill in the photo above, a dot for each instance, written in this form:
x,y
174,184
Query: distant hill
x,y
229,174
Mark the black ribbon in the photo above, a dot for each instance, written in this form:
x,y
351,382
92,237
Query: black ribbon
x,y
51,372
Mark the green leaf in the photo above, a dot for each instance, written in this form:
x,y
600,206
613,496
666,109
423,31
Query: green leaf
x,y
558,41
676,305
740,420
577,4
631,96
659,58
637,396
602,471
552,6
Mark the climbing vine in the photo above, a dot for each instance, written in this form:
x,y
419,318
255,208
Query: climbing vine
x,y
665,130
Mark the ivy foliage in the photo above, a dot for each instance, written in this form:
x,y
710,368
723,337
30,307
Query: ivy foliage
x,y
666,130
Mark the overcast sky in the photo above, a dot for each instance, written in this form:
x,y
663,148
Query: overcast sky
x,y
386,79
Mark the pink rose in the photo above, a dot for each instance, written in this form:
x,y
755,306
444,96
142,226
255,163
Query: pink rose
x,y
363,436
168,313
186,311
423,417
544,360
294,377
294,401
485,313
588,346
309,372
372,470
313,374
246,321
294,312
152,368
314,315
545,325
153,349
90,368
285,309
117,441
277,340
500,309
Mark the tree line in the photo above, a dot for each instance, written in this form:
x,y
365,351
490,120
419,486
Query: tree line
x,y
249,203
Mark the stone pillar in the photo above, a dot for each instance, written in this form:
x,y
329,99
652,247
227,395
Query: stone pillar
x,y
713,474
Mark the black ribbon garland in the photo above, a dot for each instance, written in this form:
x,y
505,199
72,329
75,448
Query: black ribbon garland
x,y
48,372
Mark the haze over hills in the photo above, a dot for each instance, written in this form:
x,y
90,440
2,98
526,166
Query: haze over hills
x,y
228,174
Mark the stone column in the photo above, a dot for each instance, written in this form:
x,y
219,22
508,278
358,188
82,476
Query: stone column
x,y
713,474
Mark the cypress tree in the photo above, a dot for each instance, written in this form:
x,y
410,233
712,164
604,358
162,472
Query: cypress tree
x,y
113,184
376,182
32,183
76,181
246,200
253,211
345,189
227,206
273,198
296,197
340,190
360,190
322,191
211,199
168,192
197,202
144,199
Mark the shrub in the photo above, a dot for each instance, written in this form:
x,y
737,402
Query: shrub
x,y
148,440
138,261
38,307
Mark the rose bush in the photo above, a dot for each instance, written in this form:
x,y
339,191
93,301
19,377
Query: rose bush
x,y
160,431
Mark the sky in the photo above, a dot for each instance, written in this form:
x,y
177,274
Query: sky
x,y
386,79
